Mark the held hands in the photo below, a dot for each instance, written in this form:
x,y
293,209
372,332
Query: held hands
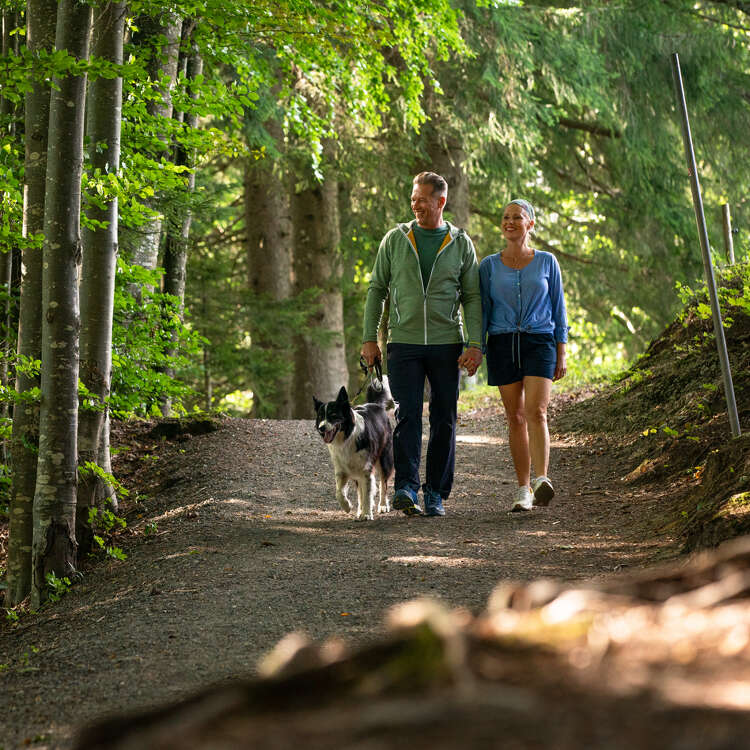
x,y
471,358
371,352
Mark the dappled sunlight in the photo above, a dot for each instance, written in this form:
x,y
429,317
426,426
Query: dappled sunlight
x,y
242,502
181,509
307,530
732,694
432,560
480,439
471,439
326,514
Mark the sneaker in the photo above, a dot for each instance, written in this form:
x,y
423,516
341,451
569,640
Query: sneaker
x,y
406,500
543,491
524,500
433,503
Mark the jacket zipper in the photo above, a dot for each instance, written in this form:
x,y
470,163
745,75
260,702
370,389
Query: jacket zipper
x,y
429,278
413,246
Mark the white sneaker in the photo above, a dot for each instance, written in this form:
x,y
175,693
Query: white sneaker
x,y
543,491
524,500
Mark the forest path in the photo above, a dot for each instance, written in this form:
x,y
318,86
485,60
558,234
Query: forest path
x,y
251,545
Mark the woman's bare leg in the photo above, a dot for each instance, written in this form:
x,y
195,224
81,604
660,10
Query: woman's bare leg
x,y
536,396
512,396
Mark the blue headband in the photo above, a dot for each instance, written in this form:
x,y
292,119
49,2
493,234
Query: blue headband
x,y
525,205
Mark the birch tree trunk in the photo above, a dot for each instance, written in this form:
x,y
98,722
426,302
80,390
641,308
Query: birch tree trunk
x,y
103,124
269,259
54,543
178,234
320,358
145,249
175,254
40,35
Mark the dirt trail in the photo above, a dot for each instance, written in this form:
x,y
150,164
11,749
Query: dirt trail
x,y
250,545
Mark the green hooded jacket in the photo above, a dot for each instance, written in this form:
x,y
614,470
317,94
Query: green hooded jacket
x,y
420,315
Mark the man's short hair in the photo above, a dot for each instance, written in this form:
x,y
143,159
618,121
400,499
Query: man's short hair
x,y
439,185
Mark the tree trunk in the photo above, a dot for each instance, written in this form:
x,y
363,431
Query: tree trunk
x,y
10,21
447,158
6,268
54,544
145,250
8,338
176,246
208,388
269,235
104,115
320,358
40,35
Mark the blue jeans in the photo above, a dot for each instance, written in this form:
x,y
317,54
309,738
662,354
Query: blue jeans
x,y
408,365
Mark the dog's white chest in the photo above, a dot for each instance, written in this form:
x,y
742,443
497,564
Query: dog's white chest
x,y
344,454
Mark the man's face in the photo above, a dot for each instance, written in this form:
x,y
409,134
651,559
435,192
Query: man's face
x,y
427,208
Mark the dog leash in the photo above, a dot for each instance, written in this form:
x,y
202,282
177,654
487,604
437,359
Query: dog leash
x,y
377,367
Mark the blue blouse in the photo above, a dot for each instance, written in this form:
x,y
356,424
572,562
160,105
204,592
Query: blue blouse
x,y
529,300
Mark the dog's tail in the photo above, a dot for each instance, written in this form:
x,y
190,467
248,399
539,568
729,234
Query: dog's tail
x,y
376,393
379,392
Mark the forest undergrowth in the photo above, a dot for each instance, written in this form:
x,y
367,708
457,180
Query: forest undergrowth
x,y
668,412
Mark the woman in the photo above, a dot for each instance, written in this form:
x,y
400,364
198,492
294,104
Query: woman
x,y
525,329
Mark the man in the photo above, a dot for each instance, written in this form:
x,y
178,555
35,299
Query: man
x,y
430,268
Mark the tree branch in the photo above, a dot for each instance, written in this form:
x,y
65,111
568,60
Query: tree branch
x,y
743,7
594,184
740,5
497,221
589,127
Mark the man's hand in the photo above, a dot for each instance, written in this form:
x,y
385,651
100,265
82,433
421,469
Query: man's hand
x,y
471,358
371,352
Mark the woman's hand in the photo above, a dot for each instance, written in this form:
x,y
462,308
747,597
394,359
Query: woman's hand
x,y
470,358
561,369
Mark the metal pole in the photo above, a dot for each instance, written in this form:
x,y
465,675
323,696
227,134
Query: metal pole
x,y
728,240
721,343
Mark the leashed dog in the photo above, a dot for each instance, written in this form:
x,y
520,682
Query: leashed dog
x,y
360,441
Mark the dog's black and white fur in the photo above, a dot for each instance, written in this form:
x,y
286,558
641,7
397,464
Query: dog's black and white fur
x,y
360,441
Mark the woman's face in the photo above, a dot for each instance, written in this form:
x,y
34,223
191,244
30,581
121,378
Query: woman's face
x,y
516,222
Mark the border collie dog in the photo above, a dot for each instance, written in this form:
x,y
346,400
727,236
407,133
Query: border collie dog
x,y
360,441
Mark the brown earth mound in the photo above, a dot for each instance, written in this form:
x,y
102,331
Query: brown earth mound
x,y
669,414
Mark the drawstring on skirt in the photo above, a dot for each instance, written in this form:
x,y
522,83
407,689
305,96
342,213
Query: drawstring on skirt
x,y
516,341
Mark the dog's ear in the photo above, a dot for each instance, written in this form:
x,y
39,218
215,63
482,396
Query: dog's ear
x,y
343,396
318,404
